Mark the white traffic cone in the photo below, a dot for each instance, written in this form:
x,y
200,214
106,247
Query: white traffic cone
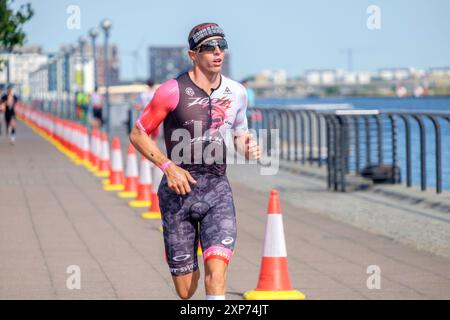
x,y
274,281
116,178
104,169
131,175
144,196
154,211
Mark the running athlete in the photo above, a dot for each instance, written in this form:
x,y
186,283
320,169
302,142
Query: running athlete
x,y
195,197
7,104
96,105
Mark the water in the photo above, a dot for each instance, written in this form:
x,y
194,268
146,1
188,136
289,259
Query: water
x,y
427,104
430,104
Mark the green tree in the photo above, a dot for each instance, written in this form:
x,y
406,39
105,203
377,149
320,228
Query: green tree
x,y
11,33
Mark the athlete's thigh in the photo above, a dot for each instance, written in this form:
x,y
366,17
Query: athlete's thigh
x,y
180,233
8,118
218,228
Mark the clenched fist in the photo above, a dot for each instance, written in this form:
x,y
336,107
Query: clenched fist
x,y
253,151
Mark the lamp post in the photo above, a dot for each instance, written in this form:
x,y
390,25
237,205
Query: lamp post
x,y
66,82
83,111
59,84
93,33
72,52
82,42
106,27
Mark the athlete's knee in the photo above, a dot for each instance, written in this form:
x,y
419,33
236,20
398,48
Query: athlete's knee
x,y
186,293
186,287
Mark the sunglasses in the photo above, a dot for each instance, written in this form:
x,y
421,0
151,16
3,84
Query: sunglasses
x,y
210,46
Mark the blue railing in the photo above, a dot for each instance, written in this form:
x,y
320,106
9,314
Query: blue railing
x,y
381,145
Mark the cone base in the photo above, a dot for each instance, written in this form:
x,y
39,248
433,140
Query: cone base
x,y
113,187
71,155
274,295
127,194
66,152
77,161
139,204
151,215
102,174
88,165
93,169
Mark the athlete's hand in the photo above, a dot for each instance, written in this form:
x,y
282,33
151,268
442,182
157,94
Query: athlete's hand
x,y
252,148
178,179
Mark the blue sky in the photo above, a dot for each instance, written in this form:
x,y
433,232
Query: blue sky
x,y
287,34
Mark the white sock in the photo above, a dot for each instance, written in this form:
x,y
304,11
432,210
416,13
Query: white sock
x,y
209,297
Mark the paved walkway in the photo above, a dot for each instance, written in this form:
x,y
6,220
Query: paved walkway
x,y
54,214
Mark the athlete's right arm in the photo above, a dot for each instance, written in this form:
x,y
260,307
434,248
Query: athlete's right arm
x,y
165,100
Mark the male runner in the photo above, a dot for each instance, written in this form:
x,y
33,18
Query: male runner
x,y
195,197
96,105
7,105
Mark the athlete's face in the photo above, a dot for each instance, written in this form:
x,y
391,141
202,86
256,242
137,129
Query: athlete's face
x,y
210,61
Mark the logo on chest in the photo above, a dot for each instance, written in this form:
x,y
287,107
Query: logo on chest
x,y
189,91
218,110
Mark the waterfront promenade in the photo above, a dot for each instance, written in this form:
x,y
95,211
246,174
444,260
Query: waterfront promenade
x,y
54,214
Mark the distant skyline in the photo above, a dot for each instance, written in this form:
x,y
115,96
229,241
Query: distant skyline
x,y
283,34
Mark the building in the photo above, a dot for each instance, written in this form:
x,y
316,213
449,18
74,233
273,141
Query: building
x,y
388,74
23,61
321,76
356,78
439,72
113,61
278,77
167,62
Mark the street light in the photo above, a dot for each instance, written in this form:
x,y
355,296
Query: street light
x,y
106,27
82,42
83,111
72,52
93,33
67,52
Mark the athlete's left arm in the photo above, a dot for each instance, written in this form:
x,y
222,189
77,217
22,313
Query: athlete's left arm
x,y
243,139
3,103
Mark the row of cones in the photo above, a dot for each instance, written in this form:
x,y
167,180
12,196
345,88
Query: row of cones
x,y
71,139
140,185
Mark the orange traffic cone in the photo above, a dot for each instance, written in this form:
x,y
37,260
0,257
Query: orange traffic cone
x,y
77,144
94,156
104,169
145,186
155,211
70,142
116,178
274,282
131,175
84,147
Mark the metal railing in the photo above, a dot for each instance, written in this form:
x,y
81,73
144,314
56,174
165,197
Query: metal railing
x,y
357,141
66,109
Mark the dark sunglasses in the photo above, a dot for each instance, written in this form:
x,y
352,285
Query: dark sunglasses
x,y
210,46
